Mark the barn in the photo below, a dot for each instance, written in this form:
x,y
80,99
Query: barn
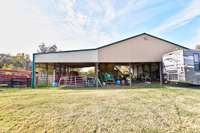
x,y
135,59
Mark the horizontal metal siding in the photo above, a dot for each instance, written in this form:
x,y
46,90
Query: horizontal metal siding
x,y
141,49
71,57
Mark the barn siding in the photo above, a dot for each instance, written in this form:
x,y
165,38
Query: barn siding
x,y
140,49
77,56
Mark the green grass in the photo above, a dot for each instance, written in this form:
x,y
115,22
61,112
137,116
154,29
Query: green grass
x,y
100,110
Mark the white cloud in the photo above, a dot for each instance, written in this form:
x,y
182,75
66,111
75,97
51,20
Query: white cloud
x,y
24,25
198,36
80,31
181,18
106,12
109,11
102,10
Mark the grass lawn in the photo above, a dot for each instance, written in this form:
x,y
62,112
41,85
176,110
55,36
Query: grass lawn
x,y
104,110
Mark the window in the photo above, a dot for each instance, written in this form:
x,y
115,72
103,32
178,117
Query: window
x,y
196,62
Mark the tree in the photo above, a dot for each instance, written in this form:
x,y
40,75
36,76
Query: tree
x,y
197,47
52,48
5,59
22,61
46,49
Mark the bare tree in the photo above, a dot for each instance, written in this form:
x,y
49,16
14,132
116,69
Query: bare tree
x,y
43,48
52,48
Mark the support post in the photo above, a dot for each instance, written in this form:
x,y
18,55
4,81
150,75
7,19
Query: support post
x,y
33,73
97,74
47,71
68,71
150,73
65,66
60,72
54,73
130,74
75,82
143,69
137,67
161,73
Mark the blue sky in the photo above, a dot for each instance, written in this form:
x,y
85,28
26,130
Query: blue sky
x,y
80,24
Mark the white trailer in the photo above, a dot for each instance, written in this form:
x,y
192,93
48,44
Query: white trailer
x,y
182,66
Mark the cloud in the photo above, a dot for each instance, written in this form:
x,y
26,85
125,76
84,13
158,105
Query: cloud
x,y
79,29
183,17
198,36
68,23
24,25
110,12
107,12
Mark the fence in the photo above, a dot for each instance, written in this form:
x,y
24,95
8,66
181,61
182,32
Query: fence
x,y
44,79
66,81
78,81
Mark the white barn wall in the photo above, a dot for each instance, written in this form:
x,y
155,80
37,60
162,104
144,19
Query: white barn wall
x,y
143,48
70,57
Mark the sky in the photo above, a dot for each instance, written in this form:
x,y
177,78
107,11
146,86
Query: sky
x,y
82,24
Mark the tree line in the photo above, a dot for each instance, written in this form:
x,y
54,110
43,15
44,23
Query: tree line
x,y
19,61
22,61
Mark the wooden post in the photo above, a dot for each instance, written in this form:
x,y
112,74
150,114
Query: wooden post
x,y
97,74
150,74
33,73
137,67
143,69
161,73
135,71
60,72
54,73
65,66
68,71
130,74
75,82
47,70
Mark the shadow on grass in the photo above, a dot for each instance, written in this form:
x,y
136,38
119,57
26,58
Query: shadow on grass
x,y
135,86
183,85
9,89
154,85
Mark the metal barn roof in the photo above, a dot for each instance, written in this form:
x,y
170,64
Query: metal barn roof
x,y
140,48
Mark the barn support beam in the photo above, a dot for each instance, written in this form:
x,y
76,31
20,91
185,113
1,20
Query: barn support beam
x,y
97,74
47,71
137,67
60,72
33,82
54,73
68,70
150,71
161,73
130,74
65,66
